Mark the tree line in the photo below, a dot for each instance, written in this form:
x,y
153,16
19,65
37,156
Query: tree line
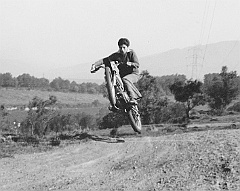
x,y
57,84
217,91
64,85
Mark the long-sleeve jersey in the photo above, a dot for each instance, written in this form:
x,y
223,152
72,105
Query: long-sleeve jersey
x,y
124,69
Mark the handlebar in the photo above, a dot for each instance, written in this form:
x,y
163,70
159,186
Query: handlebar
x,y
94,68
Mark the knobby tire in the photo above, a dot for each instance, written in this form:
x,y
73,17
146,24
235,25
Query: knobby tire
x,y
135,119
109,85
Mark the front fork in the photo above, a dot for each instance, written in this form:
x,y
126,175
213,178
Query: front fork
x,y
122,97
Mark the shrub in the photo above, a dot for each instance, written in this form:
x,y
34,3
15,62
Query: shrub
x,y
189,93
235,107
85,121
172,113
113,120
55,141
221,88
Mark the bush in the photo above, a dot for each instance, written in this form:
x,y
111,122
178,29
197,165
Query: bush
x,y
55,141
235,107
172,113
222,88
113,120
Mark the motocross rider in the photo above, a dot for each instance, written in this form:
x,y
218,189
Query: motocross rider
x,y
128,68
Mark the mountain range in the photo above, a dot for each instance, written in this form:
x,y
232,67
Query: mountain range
x,y
194,62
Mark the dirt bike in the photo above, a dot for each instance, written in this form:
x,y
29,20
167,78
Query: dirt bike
x,y
118,96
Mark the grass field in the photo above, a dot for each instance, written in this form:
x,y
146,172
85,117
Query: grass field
x,y
20,115
72,103
14,97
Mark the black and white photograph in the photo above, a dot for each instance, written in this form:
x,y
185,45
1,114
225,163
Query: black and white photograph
x,y
129,95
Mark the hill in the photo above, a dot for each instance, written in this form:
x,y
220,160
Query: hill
x,y
210,59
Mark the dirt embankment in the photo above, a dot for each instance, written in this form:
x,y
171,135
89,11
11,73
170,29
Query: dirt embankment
x,y
208,160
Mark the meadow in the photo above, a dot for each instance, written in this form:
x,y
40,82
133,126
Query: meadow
x,y
16,100
20,97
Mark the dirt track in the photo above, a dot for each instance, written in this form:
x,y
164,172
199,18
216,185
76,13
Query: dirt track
x,y
173,162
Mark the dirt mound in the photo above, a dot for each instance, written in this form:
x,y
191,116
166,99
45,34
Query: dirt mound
x,y
190,161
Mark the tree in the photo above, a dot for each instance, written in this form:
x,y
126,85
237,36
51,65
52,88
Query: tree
x,y
152,100
74,87
85,121
56,84
58,123
41,82
113,120
3,111
39,115
83,88
65,85
103,89
171,113
223,88
189,93
166,81
6,80
25,80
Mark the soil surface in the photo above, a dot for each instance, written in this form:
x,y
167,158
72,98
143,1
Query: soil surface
x,y
206,160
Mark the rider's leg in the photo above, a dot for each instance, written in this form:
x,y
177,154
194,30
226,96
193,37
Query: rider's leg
x,y
132,91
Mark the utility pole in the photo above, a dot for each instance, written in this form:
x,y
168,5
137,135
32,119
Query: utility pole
x,y
193,61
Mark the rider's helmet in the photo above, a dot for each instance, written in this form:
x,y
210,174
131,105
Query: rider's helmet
x,y
123,41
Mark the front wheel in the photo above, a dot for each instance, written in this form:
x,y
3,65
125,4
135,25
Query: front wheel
x,y
135,119
110,87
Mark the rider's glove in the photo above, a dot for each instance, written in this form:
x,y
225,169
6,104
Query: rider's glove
x,y
129,63
93,69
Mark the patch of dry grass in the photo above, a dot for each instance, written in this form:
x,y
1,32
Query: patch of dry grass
x,y
22,97
210,161
9,149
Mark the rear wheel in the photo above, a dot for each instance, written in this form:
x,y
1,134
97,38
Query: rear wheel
x,y
135,119
110,87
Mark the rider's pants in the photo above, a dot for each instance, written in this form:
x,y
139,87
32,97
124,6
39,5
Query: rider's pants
x,y
128,81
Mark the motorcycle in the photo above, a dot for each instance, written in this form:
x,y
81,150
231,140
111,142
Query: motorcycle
x,y
117,95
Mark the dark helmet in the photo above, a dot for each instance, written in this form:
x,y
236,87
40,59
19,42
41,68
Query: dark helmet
x,y
123,41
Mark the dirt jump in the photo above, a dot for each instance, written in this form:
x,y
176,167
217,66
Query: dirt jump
x,y
205,160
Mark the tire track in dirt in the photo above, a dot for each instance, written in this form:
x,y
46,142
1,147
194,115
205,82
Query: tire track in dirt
x,y
75,166
134,169
140,163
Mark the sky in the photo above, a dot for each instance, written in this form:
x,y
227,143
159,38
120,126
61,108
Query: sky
x,y
47,34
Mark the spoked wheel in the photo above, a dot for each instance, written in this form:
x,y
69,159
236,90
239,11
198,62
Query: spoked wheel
x,y
110,87
135,119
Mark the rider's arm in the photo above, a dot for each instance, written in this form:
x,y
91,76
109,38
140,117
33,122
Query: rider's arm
x,y
133,60
98,63
112,57
96,66
134,64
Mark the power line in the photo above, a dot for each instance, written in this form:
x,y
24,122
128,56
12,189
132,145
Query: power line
x,y
205,14
229,54
209,31
194,63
